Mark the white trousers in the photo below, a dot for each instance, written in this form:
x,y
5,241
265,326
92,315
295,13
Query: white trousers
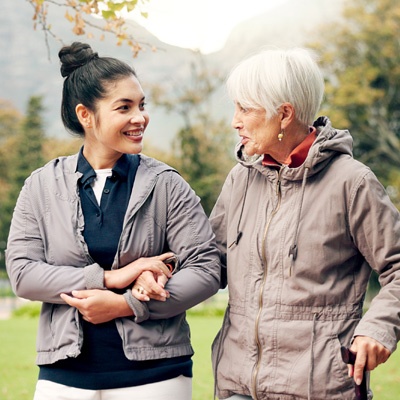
x,y
238,397
179,388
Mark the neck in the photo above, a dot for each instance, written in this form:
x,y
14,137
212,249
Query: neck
x,y
100,161
293,136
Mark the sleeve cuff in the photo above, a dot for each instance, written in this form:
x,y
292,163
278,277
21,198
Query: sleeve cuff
x,y
139,308
94,277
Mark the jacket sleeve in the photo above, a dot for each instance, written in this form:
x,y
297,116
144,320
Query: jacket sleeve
x,y
31,276
375,226
189,236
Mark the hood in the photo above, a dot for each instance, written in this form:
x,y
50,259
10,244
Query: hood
x,y
329,143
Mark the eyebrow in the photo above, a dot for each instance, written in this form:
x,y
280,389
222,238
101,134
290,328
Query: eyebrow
x,y
123,100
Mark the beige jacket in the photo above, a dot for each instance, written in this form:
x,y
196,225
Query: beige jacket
x,y
298,245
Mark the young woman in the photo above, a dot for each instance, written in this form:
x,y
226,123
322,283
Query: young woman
x,y
87,226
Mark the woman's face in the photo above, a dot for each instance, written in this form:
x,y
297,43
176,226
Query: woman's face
x,y
118,124
258,134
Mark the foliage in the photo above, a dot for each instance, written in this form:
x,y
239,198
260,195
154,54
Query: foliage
x,y
361,59
10,120
54,147
110,12
28,310
203,147
24,156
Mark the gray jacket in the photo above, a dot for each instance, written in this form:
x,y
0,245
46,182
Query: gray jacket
x,y
298,246
46,255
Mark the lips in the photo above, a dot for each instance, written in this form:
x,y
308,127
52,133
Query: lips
x,y
134,133
244,139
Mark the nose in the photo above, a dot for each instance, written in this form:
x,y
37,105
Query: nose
x,y
236,123
138,117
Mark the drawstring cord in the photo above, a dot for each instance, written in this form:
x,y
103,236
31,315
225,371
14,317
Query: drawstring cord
x,y
293,247
238,232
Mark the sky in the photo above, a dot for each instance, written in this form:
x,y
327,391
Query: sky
x,y
198,24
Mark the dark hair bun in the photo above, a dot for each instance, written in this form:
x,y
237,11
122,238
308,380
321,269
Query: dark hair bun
x,y
74,56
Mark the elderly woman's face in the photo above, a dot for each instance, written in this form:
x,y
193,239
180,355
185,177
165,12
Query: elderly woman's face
x,y
258,134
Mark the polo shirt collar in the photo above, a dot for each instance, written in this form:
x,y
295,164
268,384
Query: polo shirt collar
x,y
120,169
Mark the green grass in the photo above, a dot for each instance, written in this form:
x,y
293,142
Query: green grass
x,y
18,372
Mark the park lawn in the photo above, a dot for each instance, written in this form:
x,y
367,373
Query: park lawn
x,y
18,372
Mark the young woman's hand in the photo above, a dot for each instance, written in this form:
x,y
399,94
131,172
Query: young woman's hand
x,y
98,306
124,277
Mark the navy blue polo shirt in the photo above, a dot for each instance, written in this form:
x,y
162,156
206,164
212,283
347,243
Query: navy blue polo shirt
x,y
102,363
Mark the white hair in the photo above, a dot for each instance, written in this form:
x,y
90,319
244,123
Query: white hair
x,y
273,77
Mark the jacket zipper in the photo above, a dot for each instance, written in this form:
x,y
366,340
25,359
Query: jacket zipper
x,y
261,291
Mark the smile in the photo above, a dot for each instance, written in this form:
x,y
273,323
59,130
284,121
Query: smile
x,y
133,133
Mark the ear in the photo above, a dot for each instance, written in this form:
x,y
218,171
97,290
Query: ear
x,y
287,114
84,115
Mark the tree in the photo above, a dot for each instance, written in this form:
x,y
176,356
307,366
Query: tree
x,y
25,155
10,119
361,59
111,13
203,147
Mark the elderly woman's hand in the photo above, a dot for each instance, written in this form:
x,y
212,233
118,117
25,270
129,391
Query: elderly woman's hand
x,y
370,353
150,286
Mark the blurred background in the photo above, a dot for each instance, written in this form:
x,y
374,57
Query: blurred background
x,y
182,51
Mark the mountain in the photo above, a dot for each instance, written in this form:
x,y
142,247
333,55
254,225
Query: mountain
x,y
293,23
29,62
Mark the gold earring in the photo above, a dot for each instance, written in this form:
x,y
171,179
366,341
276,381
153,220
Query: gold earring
x,y
280,135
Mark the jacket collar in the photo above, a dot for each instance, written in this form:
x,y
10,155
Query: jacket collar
x,y
328,143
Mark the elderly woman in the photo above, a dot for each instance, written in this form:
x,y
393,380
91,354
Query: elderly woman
x,y
300,225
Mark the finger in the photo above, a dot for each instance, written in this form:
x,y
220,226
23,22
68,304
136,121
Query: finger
x,y
154,289
164,270
157,267
350,370
157,297
164,256
72,301
82,294
140,293
162,280
360,364
150,285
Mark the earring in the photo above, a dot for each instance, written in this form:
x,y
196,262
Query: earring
x,y
280,135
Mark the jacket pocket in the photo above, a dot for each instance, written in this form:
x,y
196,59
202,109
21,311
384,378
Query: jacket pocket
x,y
58,330
308,363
